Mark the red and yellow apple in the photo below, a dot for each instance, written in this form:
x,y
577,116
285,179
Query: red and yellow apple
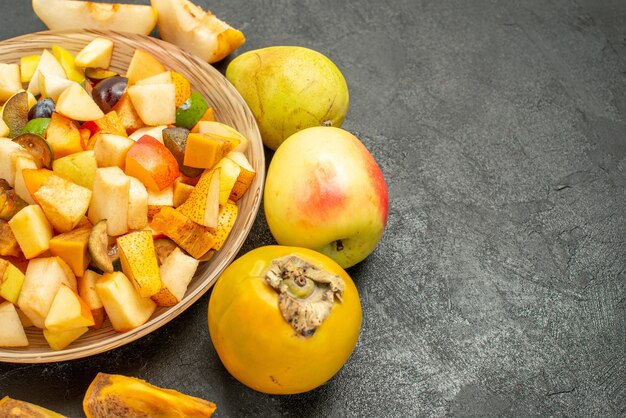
x,y
324,191
152,163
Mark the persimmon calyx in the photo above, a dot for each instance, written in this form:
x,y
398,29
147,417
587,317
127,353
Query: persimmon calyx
x,y
306,292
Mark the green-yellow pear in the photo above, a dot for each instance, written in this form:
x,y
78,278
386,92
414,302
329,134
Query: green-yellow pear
x,y
289,88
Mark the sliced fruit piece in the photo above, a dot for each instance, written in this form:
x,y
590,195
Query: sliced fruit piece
x,y
110,199
224,131
4,129
198,32
209,116
58,340
8,244
162,78
48,64
35,178
96,54
176,273
246,175
190,112
87,292
137,205
102,254
182,191
68,311
225,223
204,151
229,173
79,167
66,59
183,87
10,81
21,164
9,152
77,104
190,236
37,147
28,65
37,126
202,206
97,74
111,150
63,136
72,248
52,86
10,406
15,113
143,65
152,163
175,139
66,14
12,334
123,305
108,394
31,230
11,281
139,262
127,113
10,204
163,248
154,112
158,199
42,280
155,132
107,92
54,197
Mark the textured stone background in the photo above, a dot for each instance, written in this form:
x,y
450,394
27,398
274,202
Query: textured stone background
x,y
499,286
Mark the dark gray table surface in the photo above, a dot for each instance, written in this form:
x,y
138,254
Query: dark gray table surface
x,y
499,286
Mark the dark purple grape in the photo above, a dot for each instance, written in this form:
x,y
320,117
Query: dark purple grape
x,y
42,109
108,91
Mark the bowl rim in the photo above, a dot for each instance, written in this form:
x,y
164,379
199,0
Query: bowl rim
x,y
233,244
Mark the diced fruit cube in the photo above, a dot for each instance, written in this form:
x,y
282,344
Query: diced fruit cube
x,y
96,54
142,65
205,151
224,131
63,136
110,150
10,81
162,78
245,178
176,271
124,306
202,205
68,311
155,132
28,65
229,173
8,244
152,163
109,199
154,112
139,262
75,103
31,230
190,236
72,248
48,64
79,167
58,340
182,191
11,281
137,205
9,152
87,292
42,280
225,223
183,87
12,334
54,197
127,113
52,86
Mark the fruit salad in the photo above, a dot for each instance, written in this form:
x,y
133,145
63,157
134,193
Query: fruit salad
x,y
113,188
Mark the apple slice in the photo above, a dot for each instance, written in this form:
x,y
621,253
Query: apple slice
x,y
127,114
52,86
77,104
48,64
58,340
68,14
54,197
139,261
152,163
79,167
245,178
182,191
10,81
9,152
229,173
96,54
198,32
202,206
109,200
176,272
110,149
21,190
12,334
124,306
31,230
68,311
11,281
143,65
42,280
154,112
28,65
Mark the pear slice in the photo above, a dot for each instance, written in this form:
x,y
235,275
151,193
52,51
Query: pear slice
x,y
75,103
202,205
48,64
10,81
154,112
69,14
12,334
96,54
52,86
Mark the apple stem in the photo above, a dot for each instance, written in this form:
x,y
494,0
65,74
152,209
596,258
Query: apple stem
x,y
306,292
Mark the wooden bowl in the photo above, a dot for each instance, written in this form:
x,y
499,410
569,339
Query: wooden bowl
x,y
229,108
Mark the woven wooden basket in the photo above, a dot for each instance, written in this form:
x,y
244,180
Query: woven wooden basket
x,y
229,108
